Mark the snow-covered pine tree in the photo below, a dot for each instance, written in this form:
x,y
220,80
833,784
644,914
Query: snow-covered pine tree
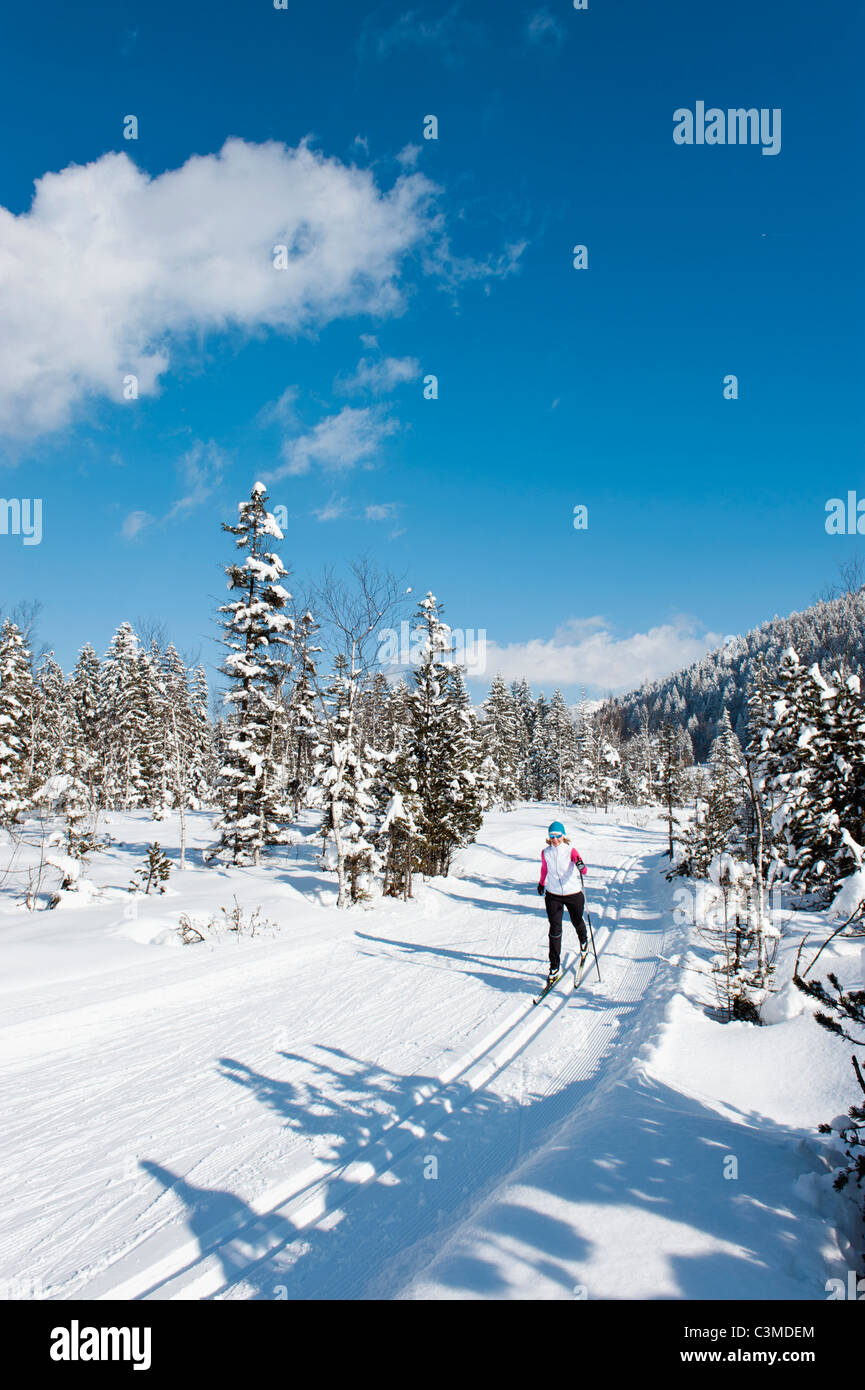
x,y
62,762
808,740
640,768
440,755
469,770
541,762
278,805
600,764
16,696
156,671
561,736
84,693
202,757
786,715
183,734
303,718
719,828
671,777
501,735
345,777
397,718
122,718
352,615
395,840
376,713
51,723
848,773
524,708
256,631
647,752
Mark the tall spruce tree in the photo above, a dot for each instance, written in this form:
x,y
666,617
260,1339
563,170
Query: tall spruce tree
x,y
501,733
345,778
122,718
438,762
256,631
16,698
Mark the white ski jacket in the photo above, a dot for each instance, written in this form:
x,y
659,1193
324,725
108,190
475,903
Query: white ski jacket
x,y
562,870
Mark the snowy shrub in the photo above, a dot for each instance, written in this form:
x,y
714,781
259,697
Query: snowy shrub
x,y
191,929
235,920
850,902
743,940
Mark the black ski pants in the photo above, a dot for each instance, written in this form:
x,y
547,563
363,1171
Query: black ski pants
x,y
555,904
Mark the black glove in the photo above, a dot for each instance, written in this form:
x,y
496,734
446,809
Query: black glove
x,y
541,889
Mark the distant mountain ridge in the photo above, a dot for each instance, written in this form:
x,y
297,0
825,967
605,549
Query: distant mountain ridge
x,y
830,632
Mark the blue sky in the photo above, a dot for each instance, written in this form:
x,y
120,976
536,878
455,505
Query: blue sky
x,y
454,257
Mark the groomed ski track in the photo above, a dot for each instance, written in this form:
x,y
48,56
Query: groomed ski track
x,y
376,1163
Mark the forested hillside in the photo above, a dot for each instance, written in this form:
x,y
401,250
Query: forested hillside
x,y
831,632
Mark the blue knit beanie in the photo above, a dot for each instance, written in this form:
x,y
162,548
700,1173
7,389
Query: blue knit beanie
x,y
556,828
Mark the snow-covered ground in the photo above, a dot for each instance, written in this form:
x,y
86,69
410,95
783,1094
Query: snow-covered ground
x,y
367,1104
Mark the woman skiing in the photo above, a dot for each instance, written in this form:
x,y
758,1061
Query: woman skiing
x,y
561,884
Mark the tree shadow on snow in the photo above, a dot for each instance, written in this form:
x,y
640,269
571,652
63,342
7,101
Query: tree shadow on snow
x,y
377,1135
592,1164
652,1152
508,975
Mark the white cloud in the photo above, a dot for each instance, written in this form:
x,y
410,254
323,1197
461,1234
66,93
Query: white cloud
x,y
110,269
585,652
334,510
381,376
380,511
337,443
135,522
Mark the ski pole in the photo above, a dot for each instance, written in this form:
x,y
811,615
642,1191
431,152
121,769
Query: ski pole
x,y
592,934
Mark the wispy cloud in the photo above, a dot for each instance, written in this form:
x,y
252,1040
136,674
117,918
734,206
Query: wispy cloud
x,y
378,376
201,471
339,509
282,411
380,511
334,510
451,32
338,443
544,28
454,270
134,523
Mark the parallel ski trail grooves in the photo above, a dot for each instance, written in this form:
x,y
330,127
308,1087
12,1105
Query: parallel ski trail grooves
x,y
193,1269
205,1276
485,1166
306,1205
